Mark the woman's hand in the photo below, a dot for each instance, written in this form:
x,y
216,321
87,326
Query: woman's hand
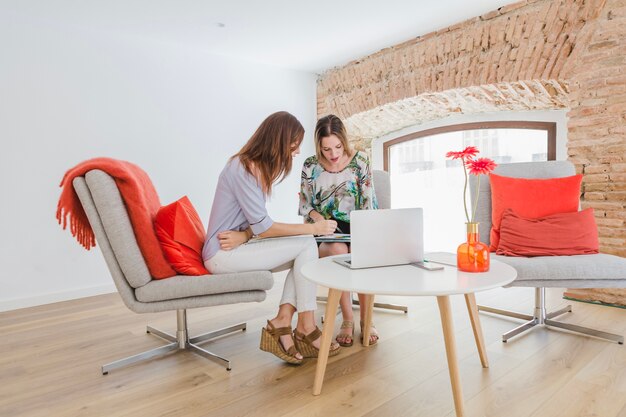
x,y
324,227
231,239
315,216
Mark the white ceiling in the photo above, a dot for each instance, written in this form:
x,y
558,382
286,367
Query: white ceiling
x,y
305,35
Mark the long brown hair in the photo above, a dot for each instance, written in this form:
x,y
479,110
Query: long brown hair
x,y
327,126
267,154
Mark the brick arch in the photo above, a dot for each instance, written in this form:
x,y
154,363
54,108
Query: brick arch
x,y
494,61
505,96
528,40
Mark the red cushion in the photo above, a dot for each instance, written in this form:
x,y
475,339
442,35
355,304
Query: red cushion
x,y
181,235
557,234
531,198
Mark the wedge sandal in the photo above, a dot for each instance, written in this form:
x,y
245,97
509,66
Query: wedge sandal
x,y
342,337
270,342
373,334
304,344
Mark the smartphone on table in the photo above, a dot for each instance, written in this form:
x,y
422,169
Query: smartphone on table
x,y
429,266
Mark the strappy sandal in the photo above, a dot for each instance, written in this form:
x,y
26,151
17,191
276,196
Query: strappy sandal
x,y
304,344
270,342
343,337
373,334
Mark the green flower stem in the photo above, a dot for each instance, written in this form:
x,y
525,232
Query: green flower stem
x,y
465,190
476,202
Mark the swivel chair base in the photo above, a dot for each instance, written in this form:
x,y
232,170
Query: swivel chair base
x,y
385,306
541,317
179,342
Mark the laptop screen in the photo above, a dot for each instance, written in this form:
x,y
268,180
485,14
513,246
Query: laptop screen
x,y
386,237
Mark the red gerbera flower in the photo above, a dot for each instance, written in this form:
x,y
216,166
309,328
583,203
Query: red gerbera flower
x,y
467,153
476,167
481,166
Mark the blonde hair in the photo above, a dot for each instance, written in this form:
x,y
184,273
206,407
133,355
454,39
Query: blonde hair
x,y
270,147
327,126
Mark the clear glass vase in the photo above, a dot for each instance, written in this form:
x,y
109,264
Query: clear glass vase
x,y
473,255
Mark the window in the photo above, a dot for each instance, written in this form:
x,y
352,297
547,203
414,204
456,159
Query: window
x,y
421,176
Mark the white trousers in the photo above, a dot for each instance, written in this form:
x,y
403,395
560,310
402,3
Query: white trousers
x,y
276,254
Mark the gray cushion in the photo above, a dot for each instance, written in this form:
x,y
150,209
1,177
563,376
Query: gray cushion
x,y
201,301
118,228
189,286
578,271
125,290
382,188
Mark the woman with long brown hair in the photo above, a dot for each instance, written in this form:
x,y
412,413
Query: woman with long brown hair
x,y
239,213
336,181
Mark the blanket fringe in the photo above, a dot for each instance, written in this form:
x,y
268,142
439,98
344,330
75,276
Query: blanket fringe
x,y
78,222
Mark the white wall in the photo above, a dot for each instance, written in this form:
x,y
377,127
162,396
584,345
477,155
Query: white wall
x,y
68,94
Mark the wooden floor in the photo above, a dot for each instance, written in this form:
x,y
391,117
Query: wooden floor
x,y
50,359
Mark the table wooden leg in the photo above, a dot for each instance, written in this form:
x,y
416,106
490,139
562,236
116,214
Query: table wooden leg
x,y
369,303
472,309
453,366
327,336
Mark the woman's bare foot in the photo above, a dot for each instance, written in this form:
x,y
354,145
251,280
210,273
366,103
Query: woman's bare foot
x,y
373,333
345,337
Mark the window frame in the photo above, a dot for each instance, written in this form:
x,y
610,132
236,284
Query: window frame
x,y
549,127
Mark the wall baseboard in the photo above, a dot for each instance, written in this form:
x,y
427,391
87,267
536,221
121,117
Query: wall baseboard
x,y
37,300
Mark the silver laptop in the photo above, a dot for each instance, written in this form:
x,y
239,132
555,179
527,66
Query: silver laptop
x,y
384,238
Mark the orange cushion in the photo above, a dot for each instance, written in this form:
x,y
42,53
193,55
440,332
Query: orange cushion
x,y
532,198
181,235
557,234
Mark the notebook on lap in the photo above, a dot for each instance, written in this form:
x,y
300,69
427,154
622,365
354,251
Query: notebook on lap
x,y
384,238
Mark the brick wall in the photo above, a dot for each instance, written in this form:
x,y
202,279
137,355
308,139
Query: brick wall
x,y
534,54
506,57
597,124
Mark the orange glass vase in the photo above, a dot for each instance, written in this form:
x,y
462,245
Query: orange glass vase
x,y
473,255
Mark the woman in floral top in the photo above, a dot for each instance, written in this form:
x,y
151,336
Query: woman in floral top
x,y
336,181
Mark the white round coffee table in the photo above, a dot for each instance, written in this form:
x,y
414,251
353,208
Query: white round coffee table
x,y
407,280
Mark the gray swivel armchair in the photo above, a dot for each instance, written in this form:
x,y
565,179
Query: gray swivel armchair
x,y
109,220
578,271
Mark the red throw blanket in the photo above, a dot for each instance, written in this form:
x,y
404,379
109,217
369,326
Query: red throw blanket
x,y
142,203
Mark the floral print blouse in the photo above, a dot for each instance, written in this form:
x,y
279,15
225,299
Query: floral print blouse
x,y
336,194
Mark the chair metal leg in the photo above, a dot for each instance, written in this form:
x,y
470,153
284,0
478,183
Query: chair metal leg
x,y
585,330
505,313
541,317
201,338
209,355
519,329
385,306
564,310
140,357
161,334
179,342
